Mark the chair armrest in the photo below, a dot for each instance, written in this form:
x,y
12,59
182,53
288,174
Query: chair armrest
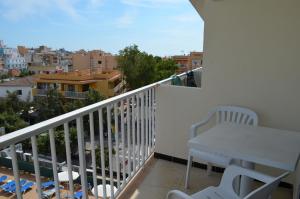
x,y
175,194
194,127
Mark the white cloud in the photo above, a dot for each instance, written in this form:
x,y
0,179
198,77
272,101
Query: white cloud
x,y
15,9
151,3
126,19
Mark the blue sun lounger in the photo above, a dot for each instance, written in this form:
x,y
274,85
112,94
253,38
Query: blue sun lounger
x,y
47,185
26,187
50,193
11,186
78,195
2,178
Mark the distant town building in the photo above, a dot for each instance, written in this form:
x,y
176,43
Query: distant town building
x,y
22,86
188,62
12,58
75,85
95,59
1,64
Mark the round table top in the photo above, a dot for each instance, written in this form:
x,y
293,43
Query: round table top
x,y
64,176
108,190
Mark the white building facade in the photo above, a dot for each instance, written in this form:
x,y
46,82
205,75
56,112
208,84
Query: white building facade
x,y
12,58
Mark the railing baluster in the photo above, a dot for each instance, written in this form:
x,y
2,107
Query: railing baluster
x,y
36,166
153,119
69,160
54,162
111,177
16,170
133,134
102,152
146,124
128,121
117,143
82,162
123,142
138,130
93,147
143,127
150,121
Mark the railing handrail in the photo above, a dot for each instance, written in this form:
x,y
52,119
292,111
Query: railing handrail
x,y
36,129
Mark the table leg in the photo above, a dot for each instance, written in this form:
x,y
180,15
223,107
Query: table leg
x,y
237,181
246,182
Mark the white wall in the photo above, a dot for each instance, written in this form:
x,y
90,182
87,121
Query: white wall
x,y
26,92
251,59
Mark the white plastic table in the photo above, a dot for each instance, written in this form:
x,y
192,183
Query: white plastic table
x,y
64,176
261,145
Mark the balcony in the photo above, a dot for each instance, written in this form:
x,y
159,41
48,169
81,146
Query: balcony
x,y
75,95
66,94
115,139
115,145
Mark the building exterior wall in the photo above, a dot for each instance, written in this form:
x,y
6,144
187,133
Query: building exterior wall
x,y
251,59
26,92
93,60
12,59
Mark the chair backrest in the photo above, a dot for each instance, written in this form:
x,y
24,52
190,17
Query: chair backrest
x,y
235,114
264,191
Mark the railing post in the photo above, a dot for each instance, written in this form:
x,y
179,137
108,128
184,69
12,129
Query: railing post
x,y
16,170
81,148
128,121
116,114
133,134
92,134
54,162
36,166
111,177
123,143
69,160
143,127
102,152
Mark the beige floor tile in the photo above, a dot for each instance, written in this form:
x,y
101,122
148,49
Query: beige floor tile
x,y
164,176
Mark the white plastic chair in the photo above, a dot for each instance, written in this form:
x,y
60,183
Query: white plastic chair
x,y
225,189
231,114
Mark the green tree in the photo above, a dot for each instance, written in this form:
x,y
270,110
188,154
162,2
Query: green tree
x,y
49,106
11,121
43,142
93,96
136,66
140,68
164,68
106,156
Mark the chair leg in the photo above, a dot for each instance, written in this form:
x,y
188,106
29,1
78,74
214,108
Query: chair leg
x,y
188,171
209,169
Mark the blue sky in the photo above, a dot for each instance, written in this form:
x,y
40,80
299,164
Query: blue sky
x,y
160,27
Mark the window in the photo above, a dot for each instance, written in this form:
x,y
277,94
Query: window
x,y
85,87
19,92
71,88
99,62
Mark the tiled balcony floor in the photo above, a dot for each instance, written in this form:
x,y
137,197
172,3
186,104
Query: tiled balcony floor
x,y
160,176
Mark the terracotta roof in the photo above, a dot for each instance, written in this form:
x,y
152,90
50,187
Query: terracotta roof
x,y
23,82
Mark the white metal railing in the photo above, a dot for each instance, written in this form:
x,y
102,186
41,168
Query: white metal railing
x,y
132,115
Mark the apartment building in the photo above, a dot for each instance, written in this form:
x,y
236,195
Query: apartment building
x,y
76,84
188,62
12,58
95,59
